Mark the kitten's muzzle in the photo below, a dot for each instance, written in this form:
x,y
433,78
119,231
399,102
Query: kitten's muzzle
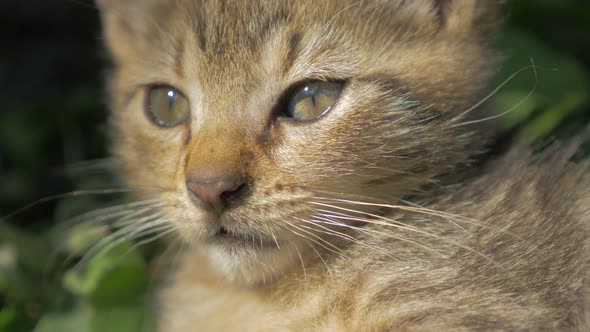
x,y
216,193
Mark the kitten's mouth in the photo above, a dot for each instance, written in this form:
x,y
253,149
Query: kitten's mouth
x,y
231,239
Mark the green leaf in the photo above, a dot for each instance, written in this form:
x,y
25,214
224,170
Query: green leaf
x,y
9,317
546,123
14,320
115,276
117,319
77,320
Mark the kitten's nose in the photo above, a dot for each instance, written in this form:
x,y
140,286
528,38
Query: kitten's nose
x,y
216,192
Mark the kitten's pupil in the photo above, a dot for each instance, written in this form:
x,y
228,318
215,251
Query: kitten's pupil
x,y
312,100
166,107
171,98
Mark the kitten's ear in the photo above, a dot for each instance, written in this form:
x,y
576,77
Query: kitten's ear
x,y
469,16
123,26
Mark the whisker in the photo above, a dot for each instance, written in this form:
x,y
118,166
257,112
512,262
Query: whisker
x,y
275,239
394,223
111,212
416,209
328,232
337,252
425,211
301,260
124,234
323,262
159,234
499,87
452,218
443,215
374,233
366,198
88,165
122,221
495,91
315,236
332,232
341,235
397,224
76,193
116,241
128,219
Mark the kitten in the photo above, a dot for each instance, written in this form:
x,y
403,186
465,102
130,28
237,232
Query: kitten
x,y
322,163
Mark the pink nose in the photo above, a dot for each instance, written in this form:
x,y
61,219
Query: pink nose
x,y
216,192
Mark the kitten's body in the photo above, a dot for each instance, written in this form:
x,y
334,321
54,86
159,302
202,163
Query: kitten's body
x,y
526,268
501,246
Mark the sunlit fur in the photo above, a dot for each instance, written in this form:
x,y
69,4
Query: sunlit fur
x,y
373,217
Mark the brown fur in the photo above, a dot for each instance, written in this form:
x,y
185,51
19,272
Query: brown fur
x,y
504,249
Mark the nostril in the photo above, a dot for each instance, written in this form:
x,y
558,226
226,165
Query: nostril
x,y
234,194
216,193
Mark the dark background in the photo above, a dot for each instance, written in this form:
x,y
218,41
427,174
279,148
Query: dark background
x,y
52,118
50,85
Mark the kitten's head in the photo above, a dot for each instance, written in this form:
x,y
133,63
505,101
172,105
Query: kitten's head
x,y
256,118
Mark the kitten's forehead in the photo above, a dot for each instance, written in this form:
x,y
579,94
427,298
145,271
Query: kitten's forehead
x,y
223,30
231,38
226,28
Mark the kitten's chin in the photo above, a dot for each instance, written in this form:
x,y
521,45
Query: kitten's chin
x,y
248,265
241,255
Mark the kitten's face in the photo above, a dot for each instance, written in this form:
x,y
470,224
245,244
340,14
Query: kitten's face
x,y
253,116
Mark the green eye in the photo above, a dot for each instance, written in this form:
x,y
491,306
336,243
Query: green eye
x,y
166,107
312,100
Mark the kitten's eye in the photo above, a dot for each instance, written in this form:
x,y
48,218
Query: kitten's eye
x,y
312,100
166,106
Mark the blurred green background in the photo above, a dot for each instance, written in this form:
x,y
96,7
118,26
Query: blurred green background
x,y
52,141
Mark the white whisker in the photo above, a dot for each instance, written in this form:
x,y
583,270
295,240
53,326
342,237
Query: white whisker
x,y
301,260
377,234
72,194
452,218
148,223
496,91
337,251
319,238
323,261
